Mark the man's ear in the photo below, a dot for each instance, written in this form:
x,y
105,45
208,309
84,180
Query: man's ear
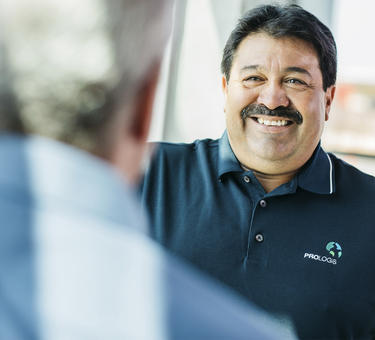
x,y
224,85
129,132
143,105
329,95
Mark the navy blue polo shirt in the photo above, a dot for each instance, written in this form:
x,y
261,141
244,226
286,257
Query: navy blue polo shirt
x,y
304,252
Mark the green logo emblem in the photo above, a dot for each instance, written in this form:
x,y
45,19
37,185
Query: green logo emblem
x,y
334,249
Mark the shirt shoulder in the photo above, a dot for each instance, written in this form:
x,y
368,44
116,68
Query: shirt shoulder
x,y
173,157
174,165
351,178
178,151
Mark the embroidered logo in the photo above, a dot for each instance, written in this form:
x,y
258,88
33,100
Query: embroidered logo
x,y
334,249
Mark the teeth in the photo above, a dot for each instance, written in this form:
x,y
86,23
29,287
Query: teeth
x,y
272,122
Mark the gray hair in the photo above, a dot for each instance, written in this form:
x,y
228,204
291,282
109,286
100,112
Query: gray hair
x,y
67,64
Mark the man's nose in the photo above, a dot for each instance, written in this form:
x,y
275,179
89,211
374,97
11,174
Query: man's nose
x,y
273,95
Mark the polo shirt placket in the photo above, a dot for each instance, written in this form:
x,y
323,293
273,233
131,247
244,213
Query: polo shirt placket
x,y
257,245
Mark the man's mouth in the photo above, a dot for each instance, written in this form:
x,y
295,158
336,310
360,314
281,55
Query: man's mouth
x,y
280,116
280,122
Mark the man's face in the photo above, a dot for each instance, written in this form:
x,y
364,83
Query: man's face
x,y
269,73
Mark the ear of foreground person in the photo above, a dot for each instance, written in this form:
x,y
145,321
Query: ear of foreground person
x,y
75,264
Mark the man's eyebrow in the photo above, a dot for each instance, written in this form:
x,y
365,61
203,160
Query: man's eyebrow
x,y
288,69
249,67
298,70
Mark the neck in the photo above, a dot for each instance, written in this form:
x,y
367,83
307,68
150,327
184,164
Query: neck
x,y
271,182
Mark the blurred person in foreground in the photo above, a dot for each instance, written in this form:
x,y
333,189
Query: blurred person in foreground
x,y
76,262
264,208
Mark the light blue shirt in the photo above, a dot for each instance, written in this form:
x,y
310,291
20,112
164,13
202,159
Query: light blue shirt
x,y
76,262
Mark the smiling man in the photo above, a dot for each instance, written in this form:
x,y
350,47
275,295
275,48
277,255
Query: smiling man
x,y
264,208
275,106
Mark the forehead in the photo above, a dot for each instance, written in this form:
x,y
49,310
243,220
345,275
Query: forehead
x,y
267,52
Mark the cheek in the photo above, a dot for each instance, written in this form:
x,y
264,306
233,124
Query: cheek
x,y
237,98
314,119
312,109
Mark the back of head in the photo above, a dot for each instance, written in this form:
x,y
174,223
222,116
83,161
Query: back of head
x,y
285,21
68,66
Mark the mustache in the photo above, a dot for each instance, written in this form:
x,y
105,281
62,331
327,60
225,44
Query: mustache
x,y
282,112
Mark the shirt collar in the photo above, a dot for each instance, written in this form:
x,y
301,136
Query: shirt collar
x,y
227,160
317,175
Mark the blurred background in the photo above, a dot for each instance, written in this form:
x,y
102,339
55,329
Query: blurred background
x,y
189,101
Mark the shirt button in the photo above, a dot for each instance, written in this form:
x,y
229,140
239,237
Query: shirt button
x,y
263,203
259,237
246,179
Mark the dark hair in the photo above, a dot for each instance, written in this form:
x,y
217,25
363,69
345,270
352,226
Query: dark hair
x,y
285,21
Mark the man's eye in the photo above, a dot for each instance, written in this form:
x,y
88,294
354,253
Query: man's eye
x,y
295,81
253,78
